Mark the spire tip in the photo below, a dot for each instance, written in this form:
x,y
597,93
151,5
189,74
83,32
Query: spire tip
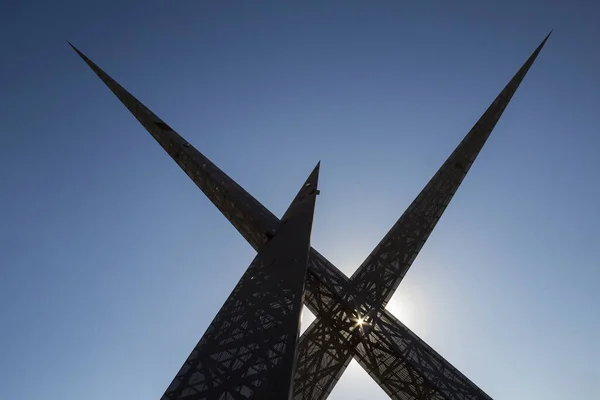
x,y
546,38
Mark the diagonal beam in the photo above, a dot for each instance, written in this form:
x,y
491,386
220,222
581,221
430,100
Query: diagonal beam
x,y
376,280
323,277
254,221
383,270
245,213
249,349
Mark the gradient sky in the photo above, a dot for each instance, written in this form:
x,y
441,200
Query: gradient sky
x,y
113,263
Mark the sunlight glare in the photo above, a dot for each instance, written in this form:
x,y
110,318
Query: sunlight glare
x,y
403,311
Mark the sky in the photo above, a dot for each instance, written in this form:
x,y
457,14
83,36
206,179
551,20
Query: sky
x,y
113,263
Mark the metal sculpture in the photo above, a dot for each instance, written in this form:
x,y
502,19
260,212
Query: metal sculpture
x,y
403,365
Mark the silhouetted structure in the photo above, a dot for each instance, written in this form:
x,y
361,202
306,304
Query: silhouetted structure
x,y
249,349
402,364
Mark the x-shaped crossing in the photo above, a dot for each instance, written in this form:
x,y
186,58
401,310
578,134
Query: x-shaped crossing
x,y
402,364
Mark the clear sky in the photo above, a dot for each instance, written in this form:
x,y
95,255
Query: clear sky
x,y
113,263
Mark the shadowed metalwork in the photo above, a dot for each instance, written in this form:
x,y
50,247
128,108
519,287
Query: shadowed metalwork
x,y
249,349
402,364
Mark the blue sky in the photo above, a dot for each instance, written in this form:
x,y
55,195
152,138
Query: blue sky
x,y
112,263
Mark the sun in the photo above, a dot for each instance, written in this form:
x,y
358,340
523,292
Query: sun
x,y
360,323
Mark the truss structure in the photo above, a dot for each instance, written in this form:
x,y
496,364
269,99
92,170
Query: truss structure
x,y
249,349
403,365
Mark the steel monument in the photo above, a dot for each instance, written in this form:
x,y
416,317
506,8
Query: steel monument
x,y
235,359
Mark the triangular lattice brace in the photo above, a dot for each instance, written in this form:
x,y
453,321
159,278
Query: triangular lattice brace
x,y
381,273
249,349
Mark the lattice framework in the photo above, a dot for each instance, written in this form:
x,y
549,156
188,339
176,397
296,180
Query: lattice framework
x,y
249,349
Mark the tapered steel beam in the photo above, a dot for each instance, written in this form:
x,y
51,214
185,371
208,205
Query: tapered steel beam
x,y
373,284
383,270
246,214
249,349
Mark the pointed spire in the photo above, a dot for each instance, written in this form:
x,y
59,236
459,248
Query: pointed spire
x,y
259,324
244,212
378,277
73,47
147,118
308,190
313,178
